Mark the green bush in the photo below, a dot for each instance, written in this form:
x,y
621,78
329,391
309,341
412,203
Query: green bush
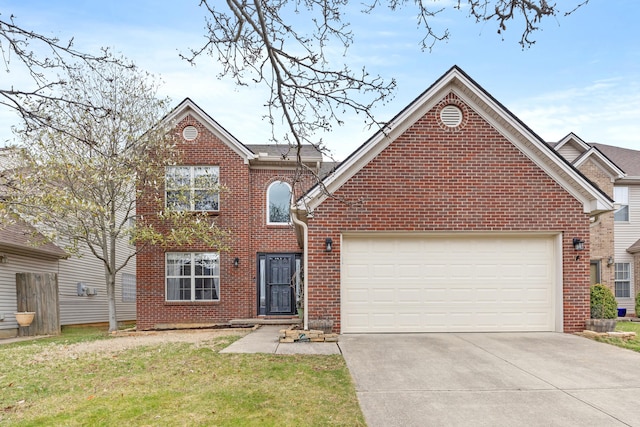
x,y
638,305
603,303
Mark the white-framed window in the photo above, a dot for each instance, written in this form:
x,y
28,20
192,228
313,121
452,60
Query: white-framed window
x,y
128,287
621,198
193,276
278,202
623,280
192,188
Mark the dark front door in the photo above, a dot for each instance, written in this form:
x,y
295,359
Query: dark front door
x,y
277,283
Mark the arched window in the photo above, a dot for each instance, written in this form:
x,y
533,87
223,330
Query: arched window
x,y
278,200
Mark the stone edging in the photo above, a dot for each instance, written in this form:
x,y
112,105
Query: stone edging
x,y
312,335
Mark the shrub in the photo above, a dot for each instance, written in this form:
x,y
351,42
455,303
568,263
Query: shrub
x,y
603,303
638,304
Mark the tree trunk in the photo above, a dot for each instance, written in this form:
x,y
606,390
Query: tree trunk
x,y
111,297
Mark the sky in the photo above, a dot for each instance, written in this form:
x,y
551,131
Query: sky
x,y
582,75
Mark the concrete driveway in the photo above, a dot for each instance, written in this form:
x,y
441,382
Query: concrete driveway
x,y
524,379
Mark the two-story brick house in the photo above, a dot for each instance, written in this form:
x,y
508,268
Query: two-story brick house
x,y
259,274
455,217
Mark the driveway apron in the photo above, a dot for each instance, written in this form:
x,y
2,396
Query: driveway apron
x,y
479,379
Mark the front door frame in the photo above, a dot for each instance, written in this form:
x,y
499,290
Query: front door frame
x,y
262,282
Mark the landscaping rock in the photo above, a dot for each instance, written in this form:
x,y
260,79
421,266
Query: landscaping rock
x,y
312,335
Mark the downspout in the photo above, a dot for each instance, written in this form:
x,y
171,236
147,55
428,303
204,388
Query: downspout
x,y
305,247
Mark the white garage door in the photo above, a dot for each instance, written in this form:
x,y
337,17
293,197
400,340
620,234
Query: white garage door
x,y
459,283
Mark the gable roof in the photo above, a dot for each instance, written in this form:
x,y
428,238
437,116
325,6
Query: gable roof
x,y
19,237
574,140
187,106
581,152
506,123
262,154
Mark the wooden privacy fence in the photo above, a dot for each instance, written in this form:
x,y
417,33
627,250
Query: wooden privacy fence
x,y
38,292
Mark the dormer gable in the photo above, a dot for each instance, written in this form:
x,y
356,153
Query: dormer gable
x,y
579,153
600,160
571,147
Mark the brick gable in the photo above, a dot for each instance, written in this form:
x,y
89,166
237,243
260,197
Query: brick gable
x,y
235,283
434,179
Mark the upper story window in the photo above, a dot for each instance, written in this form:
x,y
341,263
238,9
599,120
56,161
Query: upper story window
x,y
192,188
278,201
621,198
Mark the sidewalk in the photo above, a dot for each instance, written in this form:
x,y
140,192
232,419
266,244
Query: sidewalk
x,y
265,340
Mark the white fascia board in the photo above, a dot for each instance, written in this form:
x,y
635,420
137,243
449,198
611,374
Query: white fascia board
x,y
537,151
187,107
628,180
575,138
495,114
611,167
376,144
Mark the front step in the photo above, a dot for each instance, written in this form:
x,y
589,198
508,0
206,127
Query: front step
x,y
267,321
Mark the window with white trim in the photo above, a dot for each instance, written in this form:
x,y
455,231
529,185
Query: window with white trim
x,y
128,287
623,280
193,276
621,198
278,203
192,188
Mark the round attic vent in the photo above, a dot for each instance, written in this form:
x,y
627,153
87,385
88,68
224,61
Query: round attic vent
x,y
451,116
190,133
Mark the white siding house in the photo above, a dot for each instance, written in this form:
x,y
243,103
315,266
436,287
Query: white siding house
x,y
89,307
19,255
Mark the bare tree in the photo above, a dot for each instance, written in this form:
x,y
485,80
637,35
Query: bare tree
x,y
48,62
255,41
78,176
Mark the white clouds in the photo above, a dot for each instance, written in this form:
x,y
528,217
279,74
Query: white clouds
x,y
605,111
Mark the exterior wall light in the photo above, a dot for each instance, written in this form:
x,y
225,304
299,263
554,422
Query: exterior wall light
x,y
578,244
328,244
610,261
236,262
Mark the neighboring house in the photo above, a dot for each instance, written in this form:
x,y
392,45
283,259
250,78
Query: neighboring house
x,y
19,254
615,236
455,217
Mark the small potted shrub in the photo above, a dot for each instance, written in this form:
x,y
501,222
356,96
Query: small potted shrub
x,y
604,309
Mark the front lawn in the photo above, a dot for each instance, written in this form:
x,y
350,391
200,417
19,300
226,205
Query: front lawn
x,y
51,382
632,344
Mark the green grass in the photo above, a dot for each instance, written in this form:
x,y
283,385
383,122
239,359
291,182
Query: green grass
x,y
632,344
173,384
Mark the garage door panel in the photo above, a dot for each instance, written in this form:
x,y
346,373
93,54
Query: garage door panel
x,y
459,283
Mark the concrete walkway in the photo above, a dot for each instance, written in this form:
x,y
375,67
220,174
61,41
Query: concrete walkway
x,y
265,340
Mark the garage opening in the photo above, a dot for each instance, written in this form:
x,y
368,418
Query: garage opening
x,y
449,283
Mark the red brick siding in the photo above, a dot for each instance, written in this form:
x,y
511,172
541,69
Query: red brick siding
x,y
602,229
434,179
243,213
235,283
269,238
